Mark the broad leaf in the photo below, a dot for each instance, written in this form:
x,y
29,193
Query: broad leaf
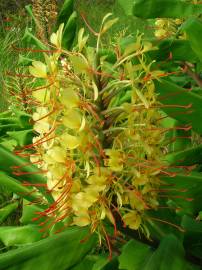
x,y
7,210
193,29
134,255
188,156
23,137
103,263
127,6
61,251
186,191
165,9
29,213
69,31
21,235
86,263
179,50
180,104
16,187
10,163
168,256
65,11
193,236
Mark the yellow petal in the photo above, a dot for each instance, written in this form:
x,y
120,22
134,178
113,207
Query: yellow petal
x,y
81,221
160,33
51,62
69,98
72,119
69,141
38,69
41,127
56,195
96,180
57,153
42,95
133,220
80,202
57,170
79,63
56,38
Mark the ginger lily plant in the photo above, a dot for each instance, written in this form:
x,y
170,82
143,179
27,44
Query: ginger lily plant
x,y
99,137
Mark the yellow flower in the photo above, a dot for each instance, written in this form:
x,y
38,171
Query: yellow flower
x,y
72,119
42,123
82,201
93,190
57,154
54,184
76,186
69,98
56,38
115,161
42,95
51,62
136,201
133,220
161,33
82,220
160,22
56,171
96,180
69,141
38,69
56,194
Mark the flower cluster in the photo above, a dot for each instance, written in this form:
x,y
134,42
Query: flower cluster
x,y
99,138
167,27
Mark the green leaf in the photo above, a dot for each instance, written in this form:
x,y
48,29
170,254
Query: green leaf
x,y
28,8
24,61
174,95
180,50
24,119
165,9
61,251
7,210
29,213
193,236
186,191
21,235
112,264
29,39
188,156
127,6
9,144
65,11
134,255
6,127
79,63
168,256
103,263
23,137
16,187
69,31
86,263
193,29
31,173
175,140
